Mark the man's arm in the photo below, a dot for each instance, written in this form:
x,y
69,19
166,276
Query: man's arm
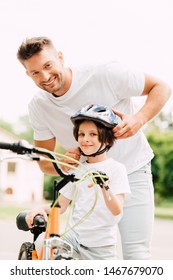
x,y
157,92
46,166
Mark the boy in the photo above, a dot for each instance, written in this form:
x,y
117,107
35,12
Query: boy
x,y
94,238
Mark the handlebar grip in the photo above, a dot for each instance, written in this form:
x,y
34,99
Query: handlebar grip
x,y
5,146
38,221
21,147
100,178
21,222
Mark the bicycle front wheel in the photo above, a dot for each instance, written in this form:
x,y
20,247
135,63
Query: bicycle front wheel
x,y
25,252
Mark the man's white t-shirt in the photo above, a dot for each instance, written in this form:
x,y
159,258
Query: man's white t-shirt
x,y
110,84
99,227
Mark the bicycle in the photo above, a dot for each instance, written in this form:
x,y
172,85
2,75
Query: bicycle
x,y
54,247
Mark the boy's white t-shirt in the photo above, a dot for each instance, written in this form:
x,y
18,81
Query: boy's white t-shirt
x,y
110,84
99,227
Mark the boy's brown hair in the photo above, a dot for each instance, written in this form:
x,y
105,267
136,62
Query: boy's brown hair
x,y
105,134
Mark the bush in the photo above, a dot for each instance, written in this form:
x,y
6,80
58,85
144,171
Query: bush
x,y
162,164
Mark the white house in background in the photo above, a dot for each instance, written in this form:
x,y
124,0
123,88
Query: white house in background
x,y
20,180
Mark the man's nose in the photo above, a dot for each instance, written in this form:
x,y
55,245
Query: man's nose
x,y
45,76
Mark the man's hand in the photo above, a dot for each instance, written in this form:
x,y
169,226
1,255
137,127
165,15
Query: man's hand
x,y
128,127
71,158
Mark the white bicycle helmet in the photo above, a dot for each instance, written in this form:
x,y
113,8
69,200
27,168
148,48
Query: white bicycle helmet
x,y
98,113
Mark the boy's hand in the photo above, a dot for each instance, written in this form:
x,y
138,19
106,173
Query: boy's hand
x,y
71,155
101,179
31,215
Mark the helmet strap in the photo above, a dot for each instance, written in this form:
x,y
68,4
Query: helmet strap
x,y
99,152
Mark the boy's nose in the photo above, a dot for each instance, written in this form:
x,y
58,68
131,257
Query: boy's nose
x,y
86,138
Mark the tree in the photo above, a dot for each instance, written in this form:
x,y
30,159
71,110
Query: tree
x,y
162,164
7,126
23,129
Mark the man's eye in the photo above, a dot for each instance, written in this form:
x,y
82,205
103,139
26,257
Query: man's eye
x,y
48,66
34,73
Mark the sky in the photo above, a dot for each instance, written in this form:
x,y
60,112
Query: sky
x,y
135,32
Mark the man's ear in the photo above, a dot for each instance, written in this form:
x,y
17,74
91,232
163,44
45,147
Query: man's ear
x,y
60,57
27,73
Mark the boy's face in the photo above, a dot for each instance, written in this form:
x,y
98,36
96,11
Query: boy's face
x,y
88,137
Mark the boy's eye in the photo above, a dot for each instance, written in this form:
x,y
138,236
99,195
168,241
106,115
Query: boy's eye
x,y
81,134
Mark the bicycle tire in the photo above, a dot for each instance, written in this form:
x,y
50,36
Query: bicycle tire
x,y
25,252
63,258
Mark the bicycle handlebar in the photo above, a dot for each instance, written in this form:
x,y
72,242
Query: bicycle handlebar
x,y
39,223
23,147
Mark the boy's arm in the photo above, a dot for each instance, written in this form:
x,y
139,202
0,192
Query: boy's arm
x,y
114,202
64,203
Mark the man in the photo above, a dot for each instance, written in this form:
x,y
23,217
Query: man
x,y
65,90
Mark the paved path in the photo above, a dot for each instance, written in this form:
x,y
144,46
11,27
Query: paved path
x,y
11,239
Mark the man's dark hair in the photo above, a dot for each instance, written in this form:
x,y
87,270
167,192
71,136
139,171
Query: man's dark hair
x,y
105,134
32,46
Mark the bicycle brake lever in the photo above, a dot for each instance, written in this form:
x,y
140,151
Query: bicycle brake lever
x,y
98,177
101,183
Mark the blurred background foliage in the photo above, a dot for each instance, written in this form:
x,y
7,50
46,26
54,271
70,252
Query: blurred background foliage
x,y
159,133
160,136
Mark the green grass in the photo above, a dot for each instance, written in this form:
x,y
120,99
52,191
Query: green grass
x,y
10,212
164,213
164,210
